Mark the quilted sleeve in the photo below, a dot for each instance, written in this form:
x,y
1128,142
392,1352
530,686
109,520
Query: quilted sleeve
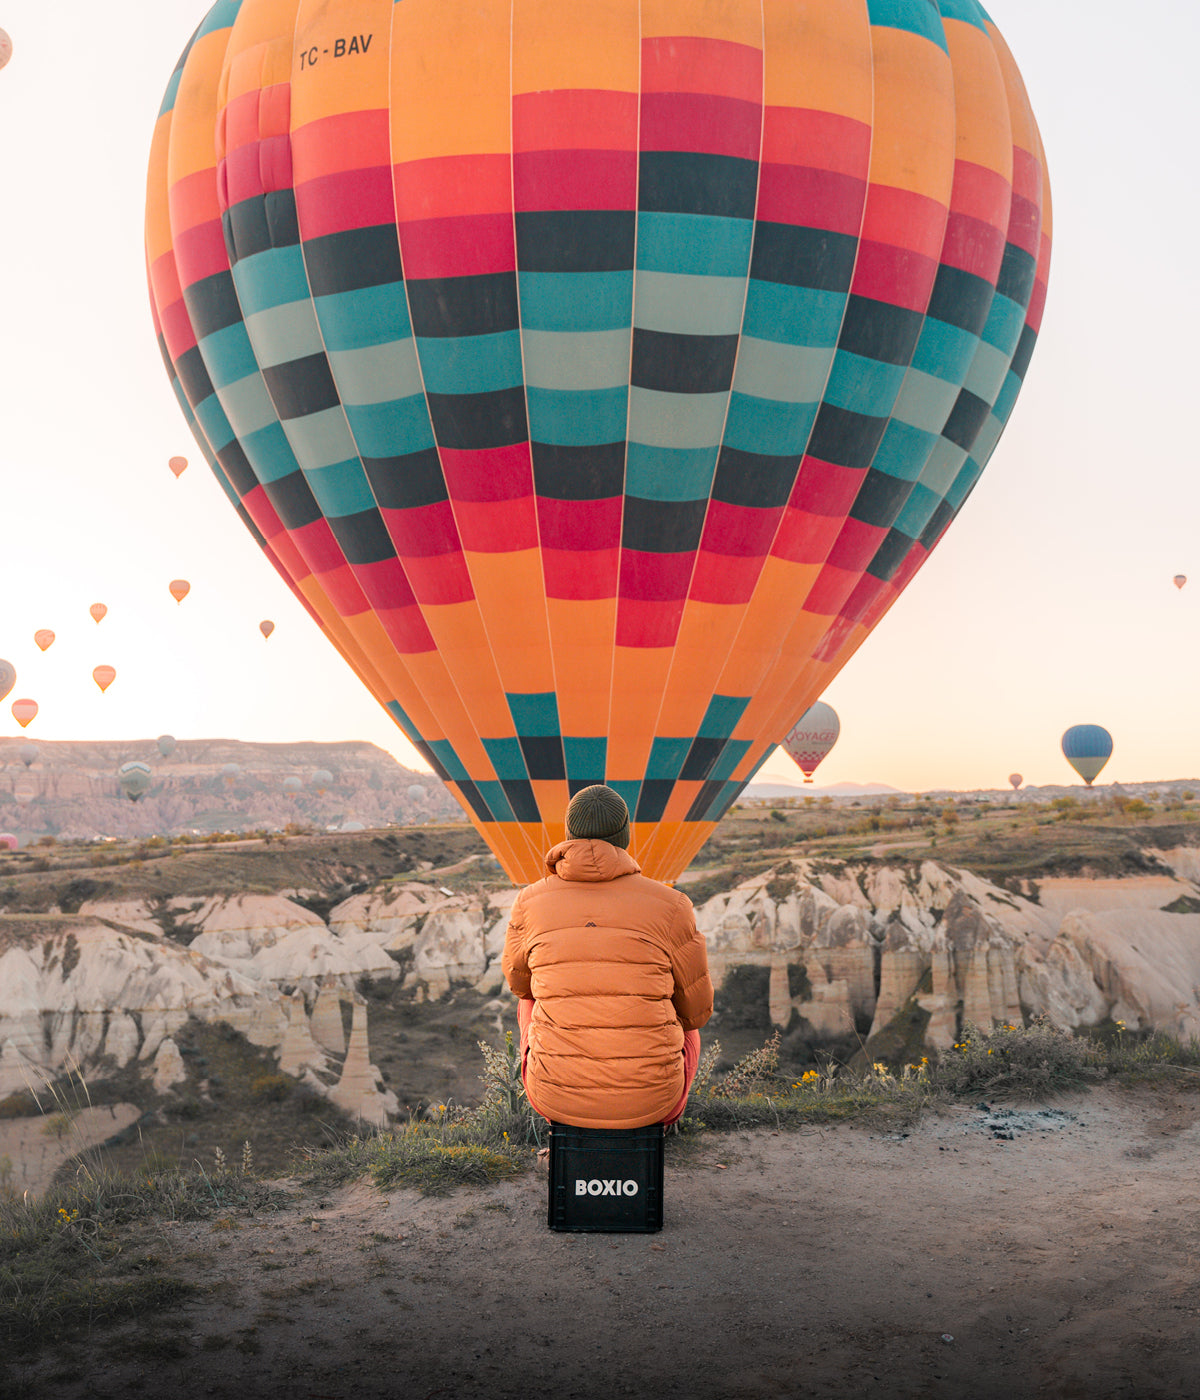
x,y
515,962
693,996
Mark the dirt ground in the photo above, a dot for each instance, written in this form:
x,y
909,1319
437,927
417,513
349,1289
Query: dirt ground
x,y
1055,1254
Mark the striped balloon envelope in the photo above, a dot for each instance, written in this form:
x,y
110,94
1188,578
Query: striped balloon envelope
x,y
597,375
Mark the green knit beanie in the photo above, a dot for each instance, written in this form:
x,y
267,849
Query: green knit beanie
x,y
599,813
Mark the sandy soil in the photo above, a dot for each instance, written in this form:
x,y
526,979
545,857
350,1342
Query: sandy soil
x,y
939,1262
1062,897
30,1152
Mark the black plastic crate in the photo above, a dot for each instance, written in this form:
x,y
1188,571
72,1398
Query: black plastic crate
x,y
606,1179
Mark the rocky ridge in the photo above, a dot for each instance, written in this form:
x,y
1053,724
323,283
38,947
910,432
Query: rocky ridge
x,y
70,789
901,956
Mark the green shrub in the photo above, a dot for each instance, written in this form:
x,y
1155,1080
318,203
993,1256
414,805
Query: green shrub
x,y
272,1088
22,1104
751,1072
755,1094
1026,1060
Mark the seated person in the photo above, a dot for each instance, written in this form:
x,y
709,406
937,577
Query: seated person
x,y
613,979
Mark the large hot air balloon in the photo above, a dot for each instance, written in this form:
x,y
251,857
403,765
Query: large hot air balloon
x,y
98,611
812,736
1179,580
1087,748
266,627
135,779
1016,779
24,711
597,375
44,638
104,676
166,745
179,588
178,466
8,677
28,754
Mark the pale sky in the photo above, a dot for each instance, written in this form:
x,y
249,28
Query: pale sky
x,y
1048,603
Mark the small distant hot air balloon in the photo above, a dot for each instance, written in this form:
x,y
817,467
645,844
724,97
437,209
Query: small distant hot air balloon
x,y
135,779
266,627
166,745
178,465
1016,779
812,736
292,784
104,676
5,48
24,711
230,771
8,842
44,638
1087,748
24,793
415,792
1179,580
28,754
180,588
8,677
98,611
353,826
321,779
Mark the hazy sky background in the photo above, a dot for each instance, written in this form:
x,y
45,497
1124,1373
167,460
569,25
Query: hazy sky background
x,y
1049,602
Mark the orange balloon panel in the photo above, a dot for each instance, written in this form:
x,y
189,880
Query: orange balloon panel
x,y
104,676
597,374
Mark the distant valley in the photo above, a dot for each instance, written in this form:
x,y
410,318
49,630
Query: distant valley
x,y
71,790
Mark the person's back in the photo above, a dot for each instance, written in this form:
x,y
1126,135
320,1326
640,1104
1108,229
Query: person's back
x,y
613,977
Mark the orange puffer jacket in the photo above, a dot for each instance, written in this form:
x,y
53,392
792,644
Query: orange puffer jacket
x,y
618,972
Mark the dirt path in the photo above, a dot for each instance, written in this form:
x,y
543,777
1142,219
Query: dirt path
x,y
940,1263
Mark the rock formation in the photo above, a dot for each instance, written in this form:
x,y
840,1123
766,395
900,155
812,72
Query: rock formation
x,y
78,994
360,1092
841,950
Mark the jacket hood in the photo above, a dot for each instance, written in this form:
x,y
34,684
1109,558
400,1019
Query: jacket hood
x,y
585,859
